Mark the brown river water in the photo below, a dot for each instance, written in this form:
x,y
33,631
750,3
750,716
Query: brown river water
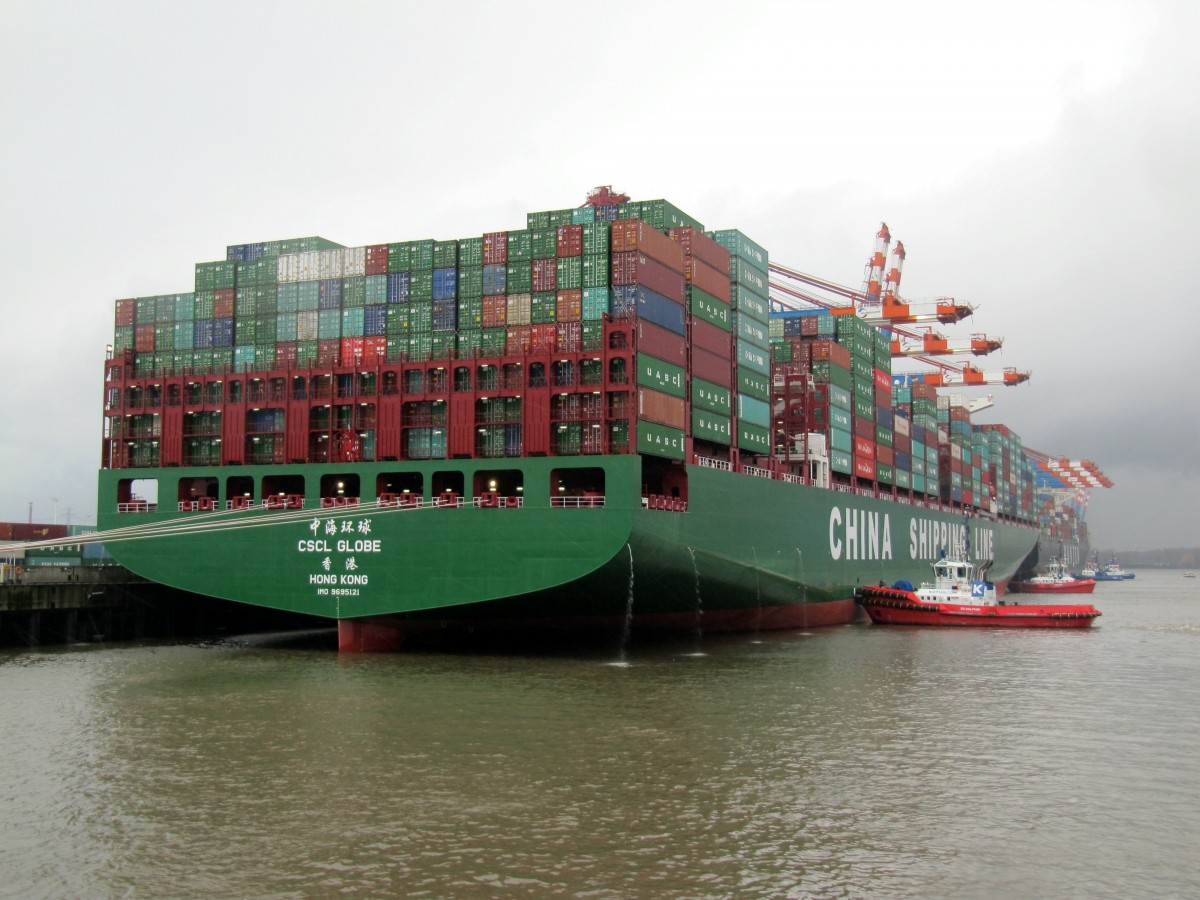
x,y
852,761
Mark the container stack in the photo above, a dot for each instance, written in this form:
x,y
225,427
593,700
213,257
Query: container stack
x,y
648,287
709,343
749,304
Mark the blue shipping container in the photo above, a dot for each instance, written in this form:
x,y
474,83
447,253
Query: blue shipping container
x,y
445,315
222,335
330,294
398,287
495,279
445,284
202,334
374,320
638,300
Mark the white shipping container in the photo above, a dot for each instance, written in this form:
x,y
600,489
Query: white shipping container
x,y
355,261
331,263
306,325
519,309
901,426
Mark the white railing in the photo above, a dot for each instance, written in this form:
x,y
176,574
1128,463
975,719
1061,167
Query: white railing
x,y
865,492
137,506
708,463
844,488
790,478
757,472
577,502
491,500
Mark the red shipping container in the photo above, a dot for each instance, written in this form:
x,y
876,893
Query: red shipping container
x,y
24,531
223,303
495,311
545,274
126,309
655,406
861,425
285,354
569,305
570,240
699,245
568,337
712,367
352,350
377,259
885,455
634,234
520,339
329,352
708,279
143,338
864,447
831,351
883,381
495,248
902,443
707,336
634,268
541,339
864,468
374,349
808,326
6,531
659,343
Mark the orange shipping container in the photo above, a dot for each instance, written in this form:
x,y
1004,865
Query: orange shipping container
x,y
655,406
708,279
634,234
700,246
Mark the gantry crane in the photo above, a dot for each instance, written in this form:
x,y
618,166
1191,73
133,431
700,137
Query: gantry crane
x,y
933,343
879,302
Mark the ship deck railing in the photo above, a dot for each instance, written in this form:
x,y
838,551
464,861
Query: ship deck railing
x,y
585,501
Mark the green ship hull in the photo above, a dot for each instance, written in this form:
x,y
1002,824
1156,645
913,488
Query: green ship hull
x,y
745,553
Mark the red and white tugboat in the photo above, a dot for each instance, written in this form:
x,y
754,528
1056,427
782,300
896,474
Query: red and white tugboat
x,y
1055,580
956,597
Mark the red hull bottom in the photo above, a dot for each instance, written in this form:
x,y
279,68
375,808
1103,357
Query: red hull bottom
x,y
888,606
382,635
1076,587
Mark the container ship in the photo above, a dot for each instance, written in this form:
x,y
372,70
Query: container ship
x,y
597,421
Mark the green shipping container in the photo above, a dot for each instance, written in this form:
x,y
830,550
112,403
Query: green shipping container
x,y
753,384
661,376
596,238
470,252
746,301
841,439
712,397
659,440
595,270
708,426
741,246
753,438
520,277
570,273
708,308
841,461
520,246
470,281
753,358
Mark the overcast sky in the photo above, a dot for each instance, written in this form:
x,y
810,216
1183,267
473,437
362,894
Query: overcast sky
x,y
1038,160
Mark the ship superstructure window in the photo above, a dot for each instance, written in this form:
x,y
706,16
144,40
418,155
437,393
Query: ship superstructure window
x,y
401,485
414,381
235,391
197,493
343,485
582,487
391,385
488,378
563,373
448,482
498,487
462,378
283,486
616,371
137,495
174,395
239,486
299,389
214,393
193,393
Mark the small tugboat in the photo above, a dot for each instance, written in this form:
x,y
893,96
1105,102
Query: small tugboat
x,y
957,598
1055,580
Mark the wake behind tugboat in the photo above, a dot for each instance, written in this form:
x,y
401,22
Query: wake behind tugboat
x,y
957,598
